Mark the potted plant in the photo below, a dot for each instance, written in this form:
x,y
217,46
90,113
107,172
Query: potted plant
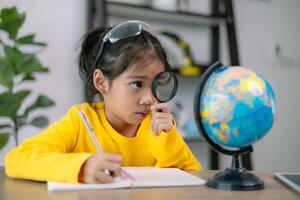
x,y
17,66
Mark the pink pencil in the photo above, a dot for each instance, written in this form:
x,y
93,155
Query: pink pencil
x,y
125,175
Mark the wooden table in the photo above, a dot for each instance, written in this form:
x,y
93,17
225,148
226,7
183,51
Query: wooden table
x,y
13,189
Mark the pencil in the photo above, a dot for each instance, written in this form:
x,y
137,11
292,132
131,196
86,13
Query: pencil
x,y
125,175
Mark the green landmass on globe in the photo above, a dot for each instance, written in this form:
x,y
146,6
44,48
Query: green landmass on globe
x,y
237,107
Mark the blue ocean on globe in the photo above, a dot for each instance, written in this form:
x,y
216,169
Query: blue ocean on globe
x,y
237,107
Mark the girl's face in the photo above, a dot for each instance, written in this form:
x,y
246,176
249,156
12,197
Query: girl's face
x,y
128,98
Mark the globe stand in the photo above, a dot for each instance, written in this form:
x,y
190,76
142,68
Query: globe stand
x,y
235,178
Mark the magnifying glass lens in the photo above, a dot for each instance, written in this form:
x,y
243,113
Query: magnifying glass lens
x,y
164,86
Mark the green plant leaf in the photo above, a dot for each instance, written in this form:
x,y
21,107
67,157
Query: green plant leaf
x,y
28,77
41,102
11,21
29,39
14,57
11,102
23,63
40,121
6,74
3,139
5,126
31,64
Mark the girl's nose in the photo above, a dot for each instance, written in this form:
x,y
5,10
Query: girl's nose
x,y
148,98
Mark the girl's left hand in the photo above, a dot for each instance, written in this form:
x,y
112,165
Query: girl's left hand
x,y
162,119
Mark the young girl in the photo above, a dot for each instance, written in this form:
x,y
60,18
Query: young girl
x,y
118,65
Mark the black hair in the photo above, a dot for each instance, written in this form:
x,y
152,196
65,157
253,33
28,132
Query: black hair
x,y
116,57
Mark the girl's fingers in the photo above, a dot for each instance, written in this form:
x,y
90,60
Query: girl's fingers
x,y
155,128
163,123
113,168
105,173
101,167
101,176
97,176
164,127
161,107
162,119
112,157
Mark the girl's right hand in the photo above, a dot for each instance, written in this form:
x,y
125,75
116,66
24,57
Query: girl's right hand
x,y
96,168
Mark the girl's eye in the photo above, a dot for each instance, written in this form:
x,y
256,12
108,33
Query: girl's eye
x,y
136,84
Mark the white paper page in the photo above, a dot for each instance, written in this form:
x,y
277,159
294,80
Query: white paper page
x,y
162,177
59,186
144,177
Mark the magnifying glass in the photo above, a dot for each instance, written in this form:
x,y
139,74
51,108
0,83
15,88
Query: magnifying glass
x,y
164,86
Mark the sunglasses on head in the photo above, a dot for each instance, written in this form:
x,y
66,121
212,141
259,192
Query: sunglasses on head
x,y
121,31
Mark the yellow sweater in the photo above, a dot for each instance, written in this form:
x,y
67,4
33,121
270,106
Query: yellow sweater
x,y
58,153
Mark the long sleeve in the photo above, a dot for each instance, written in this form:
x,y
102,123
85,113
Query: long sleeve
x,y
57,154
45,157
170,150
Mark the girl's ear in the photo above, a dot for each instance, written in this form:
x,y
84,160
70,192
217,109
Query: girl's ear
x,y
100,82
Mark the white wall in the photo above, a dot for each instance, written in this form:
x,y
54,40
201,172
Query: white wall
x,y
261,25
60,24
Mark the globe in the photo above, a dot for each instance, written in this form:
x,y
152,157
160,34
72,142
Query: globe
x,y
234,108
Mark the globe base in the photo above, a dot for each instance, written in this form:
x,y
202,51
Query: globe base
x,y
235,179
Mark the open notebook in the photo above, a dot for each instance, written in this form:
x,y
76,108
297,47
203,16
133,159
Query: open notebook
x,y
144,177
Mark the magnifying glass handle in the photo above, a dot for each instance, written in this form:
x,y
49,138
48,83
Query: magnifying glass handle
x,y
159,109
